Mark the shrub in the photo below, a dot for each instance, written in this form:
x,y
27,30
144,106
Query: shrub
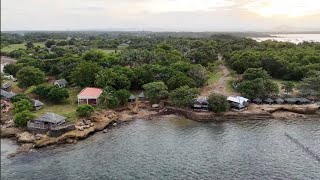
x,y
85,110
156,91
57,94
183,96
22,105
21,119
29,76
19,97
218,103
123,96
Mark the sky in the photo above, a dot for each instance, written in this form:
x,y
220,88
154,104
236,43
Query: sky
x,y
160,15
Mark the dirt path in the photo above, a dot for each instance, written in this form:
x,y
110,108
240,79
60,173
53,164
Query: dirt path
x,y
221,85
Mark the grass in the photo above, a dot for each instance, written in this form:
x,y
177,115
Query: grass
x,y
110,50
13,47
66,108
280,81
214,77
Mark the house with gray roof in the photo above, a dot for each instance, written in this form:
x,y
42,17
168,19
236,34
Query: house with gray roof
x,y
60,83
36,104
6,86
201,103
132,98
6,94
142,96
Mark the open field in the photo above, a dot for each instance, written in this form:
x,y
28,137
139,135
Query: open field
x,y
13,47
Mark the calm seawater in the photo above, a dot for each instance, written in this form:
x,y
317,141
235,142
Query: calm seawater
x,y
177,148
294,38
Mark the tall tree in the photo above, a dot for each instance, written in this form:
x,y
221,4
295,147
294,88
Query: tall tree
x,y
29,76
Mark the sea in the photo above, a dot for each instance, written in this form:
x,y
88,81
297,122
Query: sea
x,y
177,148
294,38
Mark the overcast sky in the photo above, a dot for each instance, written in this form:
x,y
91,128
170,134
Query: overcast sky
x,y
174,15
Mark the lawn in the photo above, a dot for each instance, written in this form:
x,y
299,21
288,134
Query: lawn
x,y
13,47
66,108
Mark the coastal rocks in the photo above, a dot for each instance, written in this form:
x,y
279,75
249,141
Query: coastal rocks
x,y
24,148
155,106
25,137
9,132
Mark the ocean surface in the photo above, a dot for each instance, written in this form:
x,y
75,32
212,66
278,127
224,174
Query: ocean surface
x,y
294,38
177,148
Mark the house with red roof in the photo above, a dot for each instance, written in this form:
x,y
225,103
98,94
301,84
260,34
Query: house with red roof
x,y
89,95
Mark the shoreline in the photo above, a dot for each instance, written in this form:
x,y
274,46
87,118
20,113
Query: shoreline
x,y
104,119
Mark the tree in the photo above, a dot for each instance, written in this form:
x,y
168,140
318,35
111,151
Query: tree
x,y
29,45
108,77
29,76
183,96
19,97
310,84
156,91
85,110
21,119
107,99
42,90
12,69
180,79
254,73
85,73
259,87
123,96
199,74
94,55
22,105
50,43
288,87
218,103
57,94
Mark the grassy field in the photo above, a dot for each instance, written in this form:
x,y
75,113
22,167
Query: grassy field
x,y
66,108
110,50
13,47
214,77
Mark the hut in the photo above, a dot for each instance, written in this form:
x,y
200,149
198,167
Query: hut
x,y
7,95
201,103
142,96
37,105
89,95
238,102
279,101
6,86
269,101
290,100
257,101
132,98
60,83
303,101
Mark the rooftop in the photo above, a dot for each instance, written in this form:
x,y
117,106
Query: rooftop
x,y
51,118
36,102
7,94
61,81
90,92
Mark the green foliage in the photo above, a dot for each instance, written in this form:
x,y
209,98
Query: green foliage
x,y
29,45
42,90
12,68
22,105
94,55
123,96
57,94
85,110
254,73
29,76
183,96
259,87
107,99
310,85
108,77
288,86
218,103
19,97
180,79
21,119
156,91
199,74
50,43
85,73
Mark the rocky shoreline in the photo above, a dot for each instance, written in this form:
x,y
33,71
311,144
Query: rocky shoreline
x,y
105,118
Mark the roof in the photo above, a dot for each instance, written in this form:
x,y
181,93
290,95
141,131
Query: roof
x,y
132,97
141,95
201,100
6,85
279,100
291,100
7,94
237,99
90,92
269,100
51,118
61,82
303,100
36,102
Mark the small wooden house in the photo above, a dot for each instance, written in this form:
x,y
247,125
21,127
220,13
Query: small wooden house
x,y
7,95
238,102
132,98
290,100
142,96
201,103
89,95
257,101
60,83
269,101
279,101
37,105
6,86
301,101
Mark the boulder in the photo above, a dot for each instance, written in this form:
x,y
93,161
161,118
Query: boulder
x,y
25,147
155,105
25,137
9,132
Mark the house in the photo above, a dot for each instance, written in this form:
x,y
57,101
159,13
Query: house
x,y
132,98
201,103
6,94
257,101
36,104
238,102
6,86
279,101
50,122
269,101
291,100
89,95
60,83
142,96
